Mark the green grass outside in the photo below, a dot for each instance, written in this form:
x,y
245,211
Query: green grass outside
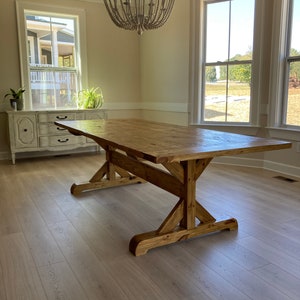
x,y
239,111
235,89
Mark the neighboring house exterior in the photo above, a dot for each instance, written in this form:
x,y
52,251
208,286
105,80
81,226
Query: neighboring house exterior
x,y
51,52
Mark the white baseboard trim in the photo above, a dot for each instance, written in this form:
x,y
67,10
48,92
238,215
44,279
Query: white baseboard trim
x,y
259,163
239,161
282,168
4,155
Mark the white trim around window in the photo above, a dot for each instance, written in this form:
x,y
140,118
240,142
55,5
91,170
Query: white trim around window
x,y
197,53
279,73
79,14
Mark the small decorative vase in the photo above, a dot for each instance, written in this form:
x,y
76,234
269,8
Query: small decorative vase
x,y
16,104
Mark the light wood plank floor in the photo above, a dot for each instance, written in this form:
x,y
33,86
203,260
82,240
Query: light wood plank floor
x,y
56,246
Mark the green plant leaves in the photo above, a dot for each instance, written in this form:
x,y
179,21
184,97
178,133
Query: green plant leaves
x,y
90,98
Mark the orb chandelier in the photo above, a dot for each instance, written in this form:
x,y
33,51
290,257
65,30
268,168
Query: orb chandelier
x,y
139,15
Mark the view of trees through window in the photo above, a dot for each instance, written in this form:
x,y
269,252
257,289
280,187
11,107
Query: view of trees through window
x,y
228,63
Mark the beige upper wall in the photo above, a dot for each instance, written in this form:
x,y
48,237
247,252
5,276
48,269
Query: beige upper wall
x,y
165,68
165,59
113,57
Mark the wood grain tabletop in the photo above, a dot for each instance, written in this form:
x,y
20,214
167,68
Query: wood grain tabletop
x,y
160,142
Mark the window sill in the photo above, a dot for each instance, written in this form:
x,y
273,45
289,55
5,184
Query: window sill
x,y
232,128
284,133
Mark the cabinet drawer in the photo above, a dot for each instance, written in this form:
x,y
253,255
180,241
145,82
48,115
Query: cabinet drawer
x,y
94,115
51,129
52,117
62,140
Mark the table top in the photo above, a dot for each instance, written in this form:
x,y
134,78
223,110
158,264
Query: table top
x,y
160,143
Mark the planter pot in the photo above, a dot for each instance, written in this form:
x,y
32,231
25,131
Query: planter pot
x,y
16,104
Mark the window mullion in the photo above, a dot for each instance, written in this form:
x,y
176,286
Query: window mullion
x,y
228,59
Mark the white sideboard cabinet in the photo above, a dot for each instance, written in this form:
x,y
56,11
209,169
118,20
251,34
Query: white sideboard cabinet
x,y
31,131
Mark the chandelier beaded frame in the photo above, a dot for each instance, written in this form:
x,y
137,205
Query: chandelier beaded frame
x,y
139,15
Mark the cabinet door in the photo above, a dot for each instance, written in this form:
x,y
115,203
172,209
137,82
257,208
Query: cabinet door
x,y
25,131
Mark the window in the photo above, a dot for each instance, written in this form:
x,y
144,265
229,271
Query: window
x,y
51,56
291,106
227,61
226,51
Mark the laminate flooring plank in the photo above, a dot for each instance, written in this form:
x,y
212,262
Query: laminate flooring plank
x,y
226,243
106,239
125,210
138,205
245,281
44,202
42,245
20,275
287,283
8,218
271,237
2,283
290,229
136,282
273,255
90,271
194,278
60,282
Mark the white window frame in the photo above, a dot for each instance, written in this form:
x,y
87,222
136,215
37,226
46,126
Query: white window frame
x,y
197,70
31,45
278,73
77,13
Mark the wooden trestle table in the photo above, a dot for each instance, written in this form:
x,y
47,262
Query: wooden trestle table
x,y
136,148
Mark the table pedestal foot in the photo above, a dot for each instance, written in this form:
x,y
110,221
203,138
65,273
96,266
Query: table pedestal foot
x,y
109,175
76,189
141,243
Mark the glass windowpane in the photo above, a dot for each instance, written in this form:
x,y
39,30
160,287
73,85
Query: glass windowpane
x,y
230,30
217,35
228,101
291,113
295,40
242,28
215,96
51,89
239,90
52,63
293,106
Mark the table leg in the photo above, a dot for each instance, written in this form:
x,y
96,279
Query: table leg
x,y
180,180
109,175
180,224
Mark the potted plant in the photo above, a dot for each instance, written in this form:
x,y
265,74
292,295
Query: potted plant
x,y
90,98
16,100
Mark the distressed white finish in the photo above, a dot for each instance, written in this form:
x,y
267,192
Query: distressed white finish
x,y
31,131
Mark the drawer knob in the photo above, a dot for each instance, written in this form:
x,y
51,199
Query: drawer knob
x,y
25,130
62,129
63,141
61,117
